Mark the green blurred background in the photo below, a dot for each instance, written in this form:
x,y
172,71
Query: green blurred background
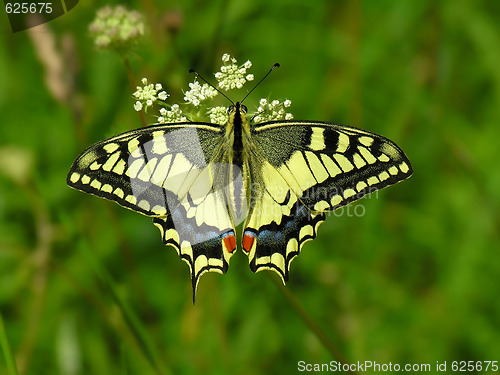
x,y
87,287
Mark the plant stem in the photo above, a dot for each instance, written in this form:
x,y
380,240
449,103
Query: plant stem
x,y
131,80
4,344
311,323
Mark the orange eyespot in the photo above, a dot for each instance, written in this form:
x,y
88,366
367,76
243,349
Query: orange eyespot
x,y
248,240
229,241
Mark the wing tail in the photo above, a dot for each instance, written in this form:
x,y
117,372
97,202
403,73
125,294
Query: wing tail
x,y
203,250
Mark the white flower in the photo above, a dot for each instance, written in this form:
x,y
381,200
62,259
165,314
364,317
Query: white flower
x,y
147,95
231,75
272,111
196,106
208,91
199,93
218,115
117,28
172,115
191,98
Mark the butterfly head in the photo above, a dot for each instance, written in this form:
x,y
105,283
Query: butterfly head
x,y
237,108
237,114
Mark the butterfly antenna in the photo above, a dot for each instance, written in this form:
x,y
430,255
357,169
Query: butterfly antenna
x,y
263,78
208,83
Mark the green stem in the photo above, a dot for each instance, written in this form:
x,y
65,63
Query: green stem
x,y
4,343
310,322
131,79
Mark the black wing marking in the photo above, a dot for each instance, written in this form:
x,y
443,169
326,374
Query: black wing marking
x,y
175,174
301,170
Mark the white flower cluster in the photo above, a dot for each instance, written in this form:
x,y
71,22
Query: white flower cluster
x,y
218,115
172,115
273,111
197,106
231,75
148,94
199,93
117,27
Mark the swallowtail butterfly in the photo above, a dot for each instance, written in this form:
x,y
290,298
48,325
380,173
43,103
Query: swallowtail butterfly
x,y
198,181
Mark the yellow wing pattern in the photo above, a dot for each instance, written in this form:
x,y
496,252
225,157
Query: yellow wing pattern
x,y
176,174
301,170
198,180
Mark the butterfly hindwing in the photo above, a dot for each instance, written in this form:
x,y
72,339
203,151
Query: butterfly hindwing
x,y
174,173
300,171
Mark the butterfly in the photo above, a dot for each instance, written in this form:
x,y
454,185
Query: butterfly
x,y
198,181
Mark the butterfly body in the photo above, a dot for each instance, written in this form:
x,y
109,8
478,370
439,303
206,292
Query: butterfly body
x,y
198,181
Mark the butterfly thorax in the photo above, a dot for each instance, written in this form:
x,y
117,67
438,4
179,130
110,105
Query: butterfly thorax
x,y
235,126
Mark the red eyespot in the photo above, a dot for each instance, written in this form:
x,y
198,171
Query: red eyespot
x,y
248,240
229,241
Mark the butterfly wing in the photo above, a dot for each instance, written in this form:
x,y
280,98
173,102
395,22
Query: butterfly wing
x,y
175,173
301,170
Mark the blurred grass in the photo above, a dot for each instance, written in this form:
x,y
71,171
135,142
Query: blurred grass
x,y
412,280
